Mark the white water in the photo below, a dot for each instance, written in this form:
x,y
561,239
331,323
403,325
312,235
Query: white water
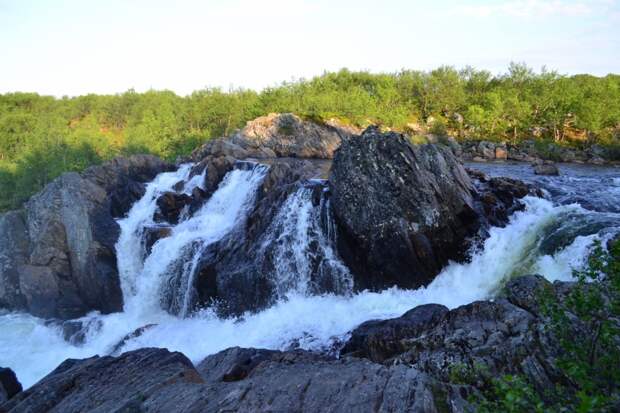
x,y
312,321
293,231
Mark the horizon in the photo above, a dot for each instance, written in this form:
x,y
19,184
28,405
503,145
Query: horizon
x,y
91,47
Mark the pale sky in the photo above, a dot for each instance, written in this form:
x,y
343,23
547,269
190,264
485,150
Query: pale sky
x,y
72,47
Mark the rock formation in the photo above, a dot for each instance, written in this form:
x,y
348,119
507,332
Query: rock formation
x,y
57,255
278,135
9,385
403,211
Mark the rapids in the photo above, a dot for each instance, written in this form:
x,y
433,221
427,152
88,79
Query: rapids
x,y
551,237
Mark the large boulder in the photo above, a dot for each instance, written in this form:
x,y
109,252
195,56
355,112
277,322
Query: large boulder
x,y
279,135
108,384
72,262
57,256
9,385
403,211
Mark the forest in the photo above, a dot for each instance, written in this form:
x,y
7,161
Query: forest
x,y
43,136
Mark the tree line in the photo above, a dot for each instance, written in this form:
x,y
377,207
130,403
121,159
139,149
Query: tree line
x,y
42,136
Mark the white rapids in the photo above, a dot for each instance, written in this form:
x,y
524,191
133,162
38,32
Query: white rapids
x,y
300,317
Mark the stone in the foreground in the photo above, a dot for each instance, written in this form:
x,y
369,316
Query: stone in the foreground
x,y
9,385
403,364
128,383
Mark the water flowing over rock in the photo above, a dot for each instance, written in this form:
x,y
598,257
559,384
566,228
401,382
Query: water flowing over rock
x,y
58,256
403,364
282,245
402,210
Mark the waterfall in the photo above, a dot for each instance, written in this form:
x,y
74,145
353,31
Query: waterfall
x,y
314,305
167,273
301,244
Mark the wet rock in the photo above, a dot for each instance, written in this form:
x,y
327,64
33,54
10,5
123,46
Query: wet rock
x,y
152,234
379,340
233,272
170,205
546,169
116,349
9,385
498,198
402,211
76,331
131,382
215,168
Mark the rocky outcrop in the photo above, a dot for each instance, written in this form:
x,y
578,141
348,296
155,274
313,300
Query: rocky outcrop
x,y
427,360
57,257
497,198
134,381
14,246
532,151
9,385
123,179
546,169
278,135
504,336
403,211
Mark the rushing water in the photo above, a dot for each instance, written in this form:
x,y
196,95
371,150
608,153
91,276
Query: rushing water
x,y
551,236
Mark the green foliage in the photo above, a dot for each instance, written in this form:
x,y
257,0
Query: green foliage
x,y
41,137
586,326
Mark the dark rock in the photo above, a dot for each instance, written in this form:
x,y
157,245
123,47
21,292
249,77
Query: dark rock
x,y
14,253
234,364
123,179
152,234
379,340
403,211
116,349
170,205
498,198
546,169
131,382
216,169
235,274
9,385
526,292
75,331
72,261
